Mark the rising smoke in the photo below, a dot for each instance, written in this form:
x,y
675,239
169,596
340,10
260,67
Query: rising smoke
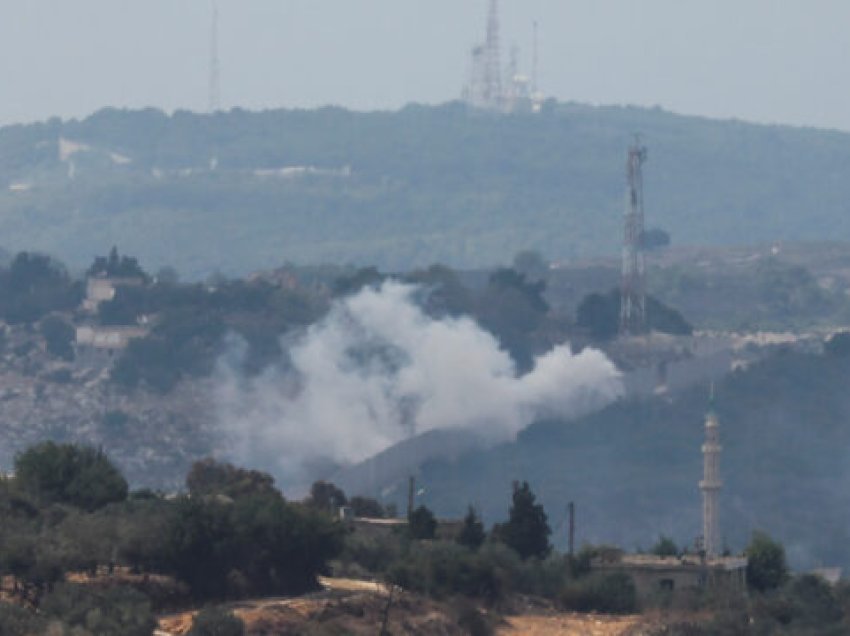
x,y
378,370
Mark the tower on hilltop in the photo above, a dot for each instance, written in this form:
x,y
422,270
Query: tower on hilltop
x,y
711,483
214,103
484,90
633,288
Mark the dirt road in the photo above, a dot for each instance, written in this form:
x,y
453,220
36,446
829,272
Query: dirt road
x,y
571,625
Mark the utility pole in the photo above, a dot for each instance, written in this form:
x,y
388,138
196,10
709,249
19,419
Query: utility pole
x,y
411,495
633,290
571,509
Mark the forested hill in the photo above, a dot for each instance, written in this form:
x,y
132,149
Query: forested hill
x,y
239,191
633,468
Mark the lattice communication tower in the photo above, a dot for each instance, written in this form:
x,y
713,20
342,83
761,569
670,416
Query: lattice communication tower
x,y
633,299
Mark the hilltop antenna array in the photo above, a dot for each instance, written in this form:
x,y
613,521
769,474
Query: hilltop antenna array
x,y
633,299
493,87
493,58
215,66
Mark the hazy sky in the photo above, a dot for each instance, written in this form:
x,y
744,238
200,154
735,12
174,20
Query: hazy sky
x,y
762,60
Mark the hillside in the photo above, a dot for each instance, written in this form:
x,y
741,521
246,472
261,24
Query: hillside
x,y
633,468
240,191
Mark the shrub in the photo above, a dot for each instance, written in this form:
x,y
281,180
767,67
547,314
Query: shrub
x,y
767,568
422,524
472,621
216,621
15,621
59,337
607,593
116,611
472,533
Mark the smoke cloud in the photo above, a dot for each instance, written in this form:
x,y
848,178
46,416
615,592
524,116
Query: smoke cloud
x,y
377,370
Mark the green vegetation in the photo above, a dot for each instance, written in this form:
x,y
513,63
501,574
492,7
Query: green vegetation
x,y
599,316
767,568
421,524
116,611
59,337
665,547
472,534
115,266
527,529
426,184
216,621
67,474
33,286
607,593
67,511
784,433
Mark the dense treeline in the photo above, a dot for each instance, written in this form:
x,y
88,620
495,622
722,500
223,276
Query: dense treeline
x,y
67,511
83,556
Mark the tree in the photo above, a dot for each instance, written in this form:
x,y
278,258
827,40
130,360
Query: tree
x,y
255,544
531,264
422,524
33,286
527,530
532,292
367,507
66,473
767,568
665,547
210,477
472,533
216,621
326,496
117,266
599,315
59,337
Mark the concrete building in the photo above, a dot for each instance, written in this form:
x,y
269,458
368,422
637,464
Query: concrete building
x,y
109,338
666,578
447,529
659,577
101,289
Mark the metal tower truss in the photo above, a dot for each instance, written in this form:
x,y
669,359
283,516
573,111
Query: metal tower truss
x,y
633,299
215,66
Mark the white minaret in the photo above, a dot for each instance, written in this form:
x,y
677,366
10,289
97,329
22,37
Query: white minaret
x,y
711,484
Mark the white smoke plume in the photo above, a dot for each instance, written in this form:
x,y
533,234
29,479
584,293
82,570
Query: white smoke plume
x,y
378,370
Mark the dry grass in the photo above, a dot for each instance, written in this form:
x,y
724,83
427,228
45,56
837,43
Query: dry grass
x,y
572,625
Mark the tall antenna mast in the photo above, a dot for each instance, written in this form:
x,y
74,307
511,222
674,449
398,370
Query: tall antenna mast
x,y
493,59
215,66
633,299
534,67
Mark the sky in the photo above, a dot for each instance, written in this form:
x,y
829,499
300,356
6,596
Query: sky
x,y
771,61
